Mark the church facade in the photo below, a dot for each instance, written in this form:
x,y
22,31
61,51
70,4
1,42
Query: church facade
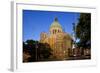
x,y
59,41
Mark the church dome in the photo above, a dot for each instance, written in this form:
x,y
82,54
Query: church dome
x,y
55,24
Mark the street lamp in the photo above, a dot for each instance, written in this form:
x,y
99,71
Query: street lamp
x,y
64,55
36,51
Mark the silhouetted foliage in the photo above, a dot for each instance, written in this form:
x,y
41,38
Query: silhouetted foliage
x,y
38,51
83,30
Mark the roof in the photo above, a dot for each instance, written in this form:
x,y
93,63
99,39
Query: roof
x,y
55,24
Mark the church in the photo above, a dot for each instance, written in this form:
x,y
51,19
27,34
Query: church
x,y
59,40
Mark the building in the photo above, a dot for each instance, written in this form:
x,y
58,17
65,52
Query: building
x,y
59,41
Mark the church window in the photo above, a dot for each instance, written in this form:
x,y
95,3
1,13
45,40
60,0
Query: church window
x,y
58,30
55,31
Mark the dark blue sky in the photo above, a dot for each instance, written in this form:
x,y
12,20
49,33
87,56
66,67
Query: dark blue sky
x,y
35,22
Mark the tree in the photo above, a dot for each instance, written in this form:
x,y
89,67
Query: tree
x,y
38,51
29,45
45,51
83,30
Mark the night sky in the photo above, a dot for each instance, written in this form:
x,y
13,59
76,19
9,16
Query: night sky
x,y
35,22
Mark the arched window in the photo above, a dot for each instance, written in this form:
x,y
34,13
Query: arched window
x,y
55,31
58,30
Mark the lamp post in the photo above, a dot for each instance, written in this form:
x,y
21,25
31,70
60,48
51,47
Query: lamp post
x,y
74,40
64,55
36,51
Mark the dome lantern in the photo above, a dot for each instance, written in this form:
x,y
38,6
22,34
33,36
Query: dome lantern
x,y
56,19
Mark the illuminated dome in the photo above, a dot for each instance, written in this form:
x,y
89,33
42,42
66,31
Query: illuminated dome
x,y
55,27
55,24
